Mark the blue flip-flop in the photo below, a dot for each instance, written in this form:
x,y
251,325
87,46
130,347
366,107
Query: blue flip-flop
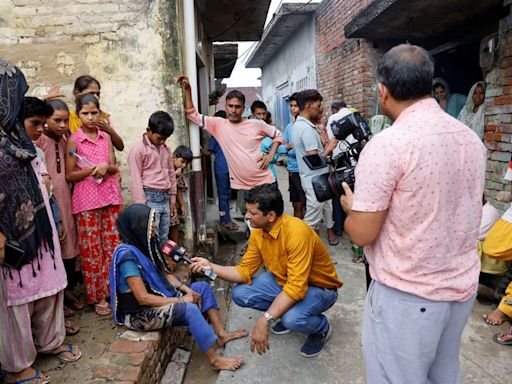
x,y
69,349
37,376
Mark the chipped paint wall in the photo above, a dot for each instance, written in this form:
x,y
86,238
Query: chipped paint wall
x,y
133,47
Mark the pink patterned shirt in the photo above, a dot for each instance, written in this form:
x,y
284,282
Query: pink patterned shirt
x,y
428,171
241,143
88,194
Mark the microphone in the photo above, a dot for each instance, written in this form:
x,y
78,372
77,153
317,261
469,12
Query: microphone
x,y
179,253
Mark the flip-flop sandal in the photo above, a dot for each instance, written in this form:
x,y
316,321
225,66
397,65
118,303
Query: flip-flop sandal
x,y
72,328
77,353
75,304
68,312
33,379
230,226
496,339
333,241
102,310
358,260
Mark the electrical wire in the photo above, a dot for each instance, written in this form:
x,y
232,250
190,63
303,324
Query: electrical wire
x,y
296,10
231,26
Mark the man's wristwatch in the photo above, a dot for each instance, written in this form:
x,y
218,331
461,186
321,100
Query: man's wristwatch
x,y
270,319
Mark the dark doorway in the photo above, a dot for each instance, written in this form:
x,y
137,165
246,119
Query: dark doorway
x,y
459,67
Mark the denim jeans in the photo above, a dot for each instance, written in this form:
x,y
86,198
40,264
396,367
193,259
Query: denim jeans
x,y
224,193
160,202
305,316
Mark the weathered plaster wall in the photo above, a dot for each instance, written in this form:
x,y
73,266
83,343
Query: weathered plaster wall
x,y
133,47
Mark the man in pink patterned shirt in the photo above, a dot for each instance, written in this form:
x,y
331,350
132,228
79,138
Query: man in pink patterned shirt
x,y
416,209
240,140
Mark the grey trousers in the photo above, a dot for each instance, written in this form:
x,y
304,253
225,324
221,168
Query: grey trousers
x,y
408,339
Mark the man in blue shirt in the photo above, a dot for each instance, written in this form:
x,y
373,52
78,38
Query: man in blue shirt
x,y
297,195
306,141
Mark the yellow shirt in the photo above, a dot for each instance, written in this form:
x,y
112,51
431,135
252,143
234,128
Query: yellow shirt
x,y
75,122
294,253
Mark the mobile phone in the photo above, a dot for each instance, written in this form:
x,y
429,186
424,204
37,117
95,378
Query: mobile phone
x,y
315,161
14,256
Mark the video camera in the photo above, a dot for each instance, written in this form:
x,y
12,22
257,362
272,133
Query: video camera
x,y
179,253
329,185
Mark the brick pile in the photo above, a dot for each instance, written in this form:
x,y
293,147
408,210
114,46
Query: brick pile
x,y
145,361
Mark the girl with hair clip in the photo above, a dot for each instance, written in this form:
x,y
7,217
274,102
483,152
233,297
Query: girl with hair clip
x,y
88,84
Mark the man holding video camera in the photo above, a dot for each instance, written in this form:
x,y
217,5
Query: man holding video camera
x,y
306,141
416,209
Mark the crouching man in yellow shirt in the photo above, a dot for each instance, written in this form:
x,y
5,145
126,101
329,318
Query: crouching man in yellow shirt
x,y
300,281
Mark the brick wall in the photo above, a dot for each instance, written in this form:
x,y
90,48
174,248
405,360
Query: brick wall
x,y
498,117
345,67
144,361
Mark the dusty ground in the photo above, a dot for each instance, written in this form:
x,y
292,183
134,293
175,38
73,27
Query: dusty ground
x,y
483,361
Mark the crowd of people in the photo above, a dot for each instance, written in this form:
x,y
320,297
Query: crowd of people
x,y
416,209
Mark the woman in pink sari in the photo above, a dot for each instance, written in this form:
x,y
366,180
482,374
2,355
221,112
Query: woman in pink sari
x,y
32,281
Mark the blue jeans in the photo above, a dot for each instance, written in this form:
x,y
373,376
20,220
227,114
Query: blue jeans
x,y
224,193
305,316
160,202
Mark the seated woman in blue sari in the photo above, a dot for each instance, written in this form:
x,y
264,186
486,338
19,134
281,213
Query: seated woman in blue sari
x,y
144,293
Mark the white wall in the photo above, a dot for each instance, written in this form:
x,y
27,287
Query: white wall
x,y
293,64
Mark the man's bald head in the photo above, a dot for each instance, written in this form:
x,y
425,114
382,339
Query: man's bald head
x,y
407,72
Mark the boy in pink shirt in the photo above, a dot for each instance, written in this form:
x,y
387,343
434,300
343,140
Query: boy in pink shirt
x,y
152,174
240,140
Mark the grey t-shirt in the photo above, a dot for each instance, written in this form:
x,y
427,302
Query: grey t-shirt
x,y
306,138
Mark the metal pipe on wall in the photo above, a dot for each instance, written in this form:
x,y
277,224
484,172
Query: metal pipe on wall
x,y
196,178
191,71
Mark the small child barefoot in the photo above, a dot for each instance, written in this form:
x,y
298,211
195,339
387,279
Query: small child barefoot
x,y
495,317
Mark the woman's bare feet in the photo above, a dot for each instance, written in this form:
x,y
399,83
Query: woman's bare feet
x,y
221,363
495,317
232,335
